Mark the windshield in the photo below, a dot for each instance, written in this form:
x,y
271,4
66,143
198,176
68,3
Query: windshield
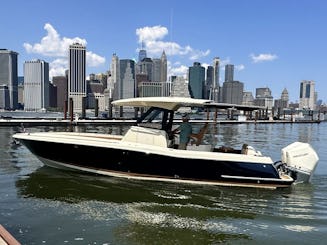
x,y
157,118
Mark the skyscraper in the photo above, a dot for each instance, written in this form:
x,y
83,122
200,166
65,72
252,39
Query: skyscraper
x,y
36,85
229,73
142,54
247,98
215,90
9,76
233,92
114,79
146,67
179,87
4,97
163,71
307,95
197,80
60,82
153,89
77,74
216,62
282,103
156,70
209,82
127,86
263,97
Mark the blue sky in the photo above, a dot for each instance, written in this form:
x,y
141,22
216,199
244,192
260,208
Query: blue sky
x,y
272,43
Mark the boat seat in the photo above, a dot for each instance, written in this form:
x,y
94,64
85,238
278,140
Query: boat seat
x,y
148,136
197,138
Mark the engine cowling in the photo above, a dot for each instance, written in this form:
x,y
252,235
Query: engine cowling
x,y
301,159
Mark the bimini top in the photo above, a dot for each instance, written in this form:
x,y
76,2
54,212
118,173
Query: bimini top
x,y
170,103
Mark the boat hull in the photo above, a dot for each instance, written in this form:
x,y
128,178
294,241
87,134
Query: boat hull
x,y
123,162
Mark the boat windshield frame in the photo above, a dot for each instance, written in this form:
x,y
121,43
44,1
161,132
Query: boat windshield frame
x,y
158,118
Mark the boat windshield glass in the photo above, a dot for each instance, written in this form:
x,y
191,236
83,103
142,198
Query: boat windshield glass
x,y
156,118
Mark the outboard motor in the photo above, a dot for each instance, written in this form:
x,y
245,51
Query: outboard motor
x,y
301,160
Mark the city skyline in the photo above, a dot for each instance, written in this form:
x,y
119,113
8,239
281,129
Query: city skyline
x,y
275,44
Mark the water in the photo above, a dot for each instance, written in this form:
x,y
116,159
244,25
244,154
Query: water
x,y
41,205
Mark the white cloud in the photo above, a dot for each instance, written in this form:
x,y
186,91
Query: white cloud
x,y
239,67
58,67
152,39
205,65
54,47
149,34
93,59
179,71
224,62
263,57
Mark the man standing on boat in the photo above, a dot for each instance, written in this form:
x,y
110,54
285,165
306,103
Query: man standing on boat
x,y
185,131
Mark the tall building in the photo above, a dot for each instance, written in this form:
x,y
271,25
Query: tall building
x,y
196,79
308,96
4,97
215,89
114,78
262,92
77,75
163,71
156,70
36,85
103,78
285,96
216,63
179,87
52,95
229,73
247,98
153,89
146,67
233,92
209,82
264,98
142,53
282,103
21,92
9,76
61,84
127,86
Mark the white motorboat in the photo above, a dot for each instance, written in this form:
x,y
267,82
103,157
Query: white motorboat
x,y
148,151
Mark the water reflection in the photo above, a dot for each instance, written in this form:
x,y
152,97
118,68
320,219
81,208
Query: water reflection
x,y
144,208
173,212
72,187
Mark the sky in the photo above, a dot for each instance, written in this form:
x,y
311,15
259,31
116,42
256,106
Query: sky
x,y
271,43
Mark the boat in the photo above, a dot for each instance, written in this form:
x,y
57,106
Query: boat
x,y
149,151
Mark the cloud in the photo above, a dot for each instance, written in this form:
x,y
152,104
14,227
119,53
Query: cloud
x,y
149,34
239,67
224,62
55,48
58,67
263,57
93,59
179,71
152,39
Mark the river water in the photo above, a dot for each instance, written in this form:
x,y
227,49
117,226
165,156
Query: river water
x,y
42,205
